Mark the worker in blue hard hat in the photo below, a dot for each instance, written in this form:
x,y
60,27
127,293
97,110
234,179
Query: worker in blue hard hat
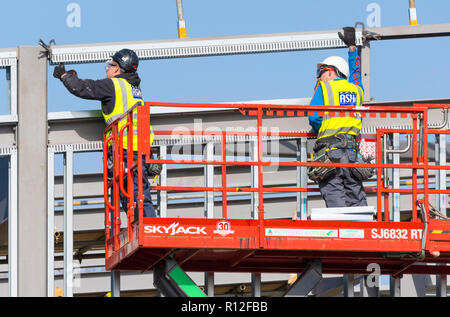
x,y
338,84
118,92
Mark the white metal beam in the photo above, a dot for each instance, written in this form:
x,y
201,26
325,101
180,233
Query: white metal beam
x,y
196,47
8,57
228,45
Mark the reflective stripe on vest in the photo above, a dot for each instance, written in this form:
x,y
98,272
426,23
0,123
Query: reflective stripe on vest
x,y
125,100
342,93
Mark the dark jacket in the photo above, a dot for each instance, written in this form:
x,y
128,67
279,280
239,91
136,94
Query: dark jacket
x,y
102,89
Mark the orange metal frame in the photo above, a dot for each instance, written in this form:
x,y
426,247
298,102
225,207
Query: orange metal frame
x,y
261,245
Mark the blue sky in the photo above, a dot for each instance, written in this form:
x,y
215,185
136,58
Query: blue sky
x,y
405,69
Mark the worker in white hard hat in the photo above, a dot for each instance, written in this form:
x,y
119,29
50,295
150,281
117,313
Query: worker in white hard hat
x,y
338,84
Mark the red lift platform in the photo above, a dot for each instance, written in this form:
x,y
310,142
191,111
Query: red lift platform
x,y
420,245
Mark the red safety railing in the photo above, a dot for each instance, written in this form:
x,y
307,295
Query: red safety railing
x,y
113,148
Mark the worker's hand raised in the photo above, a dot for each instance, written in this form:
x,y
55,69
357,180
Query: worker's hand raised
x,y
348,37
59,71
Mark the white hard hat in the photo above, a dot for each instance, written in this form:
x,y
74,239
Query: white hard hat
x,y
339,63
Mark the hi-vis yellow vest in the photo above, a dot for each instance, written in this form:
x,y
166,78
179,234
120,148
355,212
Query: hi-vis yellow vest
x,y
126,97
340,93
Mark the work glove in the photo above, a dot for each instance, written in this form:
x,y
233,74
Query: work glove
x,y
348,37
59,71
154,169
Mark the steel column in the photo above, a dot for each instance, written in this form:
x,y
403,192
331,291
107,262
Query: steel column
x,y
51,223
365,70
11,80
369,291
441,285
256,284
68,223
394,287
115,283
209,284
32,135
12,227
349,290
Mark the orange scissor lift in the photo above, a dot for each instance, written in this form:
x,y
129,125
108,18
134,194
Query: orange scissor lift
x,y
420,245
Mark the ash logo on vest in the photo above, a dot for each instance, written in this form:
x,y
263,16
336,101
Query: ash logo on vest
x,y
137,92
174,229
347,98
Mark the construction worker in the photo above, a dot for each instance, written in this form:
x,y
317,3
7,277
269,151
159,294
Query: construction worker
x,y
339,83
118,92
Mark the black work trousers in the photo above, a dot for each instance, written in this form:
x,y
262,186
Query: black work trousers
x,y
343,189
148,209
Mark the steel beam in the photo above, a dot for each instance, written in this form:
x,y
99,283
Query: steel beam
x,y
308,280
407,31
244,44
196,47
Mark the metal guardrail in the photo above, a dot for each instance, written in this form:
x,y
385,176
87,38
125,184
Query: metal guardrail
x,y
419,161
